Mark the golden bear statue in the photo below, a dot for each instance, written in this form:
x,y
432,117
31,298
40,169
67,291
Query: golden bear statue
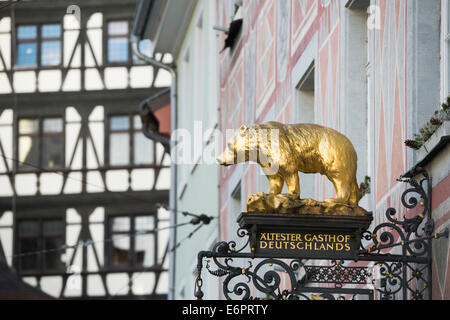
x,y
284,150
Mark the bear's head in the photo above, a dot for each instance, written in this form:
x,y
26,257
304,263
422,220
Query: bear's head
x,y
239,147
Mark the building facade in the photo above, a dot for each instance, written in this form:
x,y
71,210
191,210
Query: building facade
x,y
374,70
81,186
197,179
195,124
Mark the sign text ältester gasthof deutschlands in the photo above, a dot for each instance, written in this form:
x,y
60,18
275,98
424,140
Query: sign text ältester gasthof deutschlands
x,y
298,244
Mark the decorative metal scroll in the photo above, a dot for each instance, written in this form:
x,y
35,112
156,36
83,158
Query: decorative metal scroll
x,y
337,274
394,262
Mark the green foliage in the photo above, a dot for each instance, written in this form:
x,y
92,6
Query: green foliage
x,y
364,187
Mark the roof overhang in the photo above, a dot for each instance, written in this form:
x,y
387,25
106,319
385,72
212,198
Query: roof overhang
x,y
163,22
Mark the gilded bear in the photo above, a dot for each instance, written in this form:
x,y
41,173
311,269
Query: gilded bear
x,y
308,148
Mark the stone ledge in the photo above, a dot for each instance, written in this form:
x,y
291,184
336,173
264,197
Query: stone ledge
x,y
437,142
442,131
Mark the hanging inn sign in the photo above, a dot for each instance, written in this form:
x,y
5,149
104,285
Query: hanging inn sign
x,y
319,246
298,236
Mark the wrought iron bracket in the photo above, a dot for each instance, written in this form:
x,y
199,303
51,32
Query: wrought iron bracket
x,y
393,262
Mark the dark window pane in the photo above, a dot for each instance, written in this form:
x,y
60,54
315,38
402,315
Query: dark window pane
x,y
120,246
118,28
51,53
120,123
53,258
28,126
118,49
28,242
53,126
29,262
52,152
53,228
28,152
36,236
140,256
51,31
28,229
26,32
27,54
121,251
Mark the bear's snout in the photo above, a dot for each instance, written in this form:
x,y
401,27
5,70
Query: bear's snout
x,y
226,158
220,161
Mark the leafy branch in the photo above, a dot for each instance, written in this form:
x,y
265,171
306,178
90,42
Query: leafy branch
x,y
364,187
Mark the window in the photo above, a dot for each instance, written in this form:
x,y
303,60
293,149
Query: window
x,y
27,46
39,45
51,45
40,144
39,235
133,243
118,45
127,143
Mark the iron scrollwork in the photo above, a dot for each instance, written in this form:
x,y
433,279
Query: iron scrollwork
x,y
413,240
405,274
338,274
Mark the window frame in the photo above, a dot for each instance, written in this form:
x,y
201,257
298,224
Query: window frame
x,y
39,41
107,37
19,41
131,140
40,138
41,263
131,56
132,256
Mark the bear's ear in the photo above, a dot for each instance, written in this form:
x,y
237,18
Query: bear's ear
x,y
243,129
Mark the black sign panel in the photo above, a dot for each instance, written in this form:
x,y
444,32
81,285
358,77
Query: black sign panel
x,y
304,236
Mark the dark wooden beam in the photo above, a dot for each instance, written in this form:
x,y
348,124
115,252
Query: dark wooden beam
x,y
144,199
74,98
